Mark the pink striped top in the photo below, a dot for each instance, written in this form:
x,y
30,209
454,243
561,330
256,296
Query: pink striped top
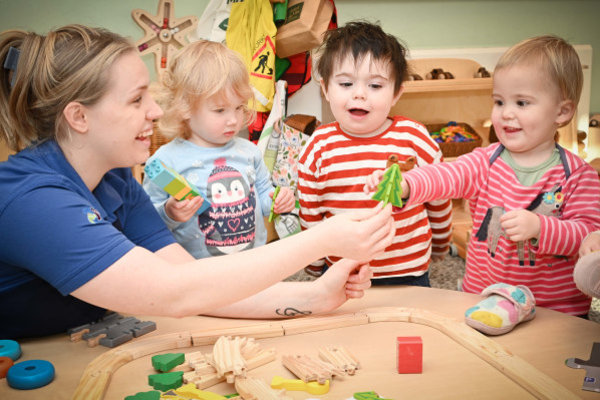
x,y
333,170
549,271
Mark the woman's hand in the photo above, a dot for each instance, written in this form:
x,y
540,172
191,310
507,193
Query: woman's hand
x,y
182,211
346,279
359,235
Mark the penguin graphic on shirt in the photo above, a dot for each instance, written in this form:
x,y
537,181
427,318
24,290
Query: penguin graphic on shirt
x,y
229,225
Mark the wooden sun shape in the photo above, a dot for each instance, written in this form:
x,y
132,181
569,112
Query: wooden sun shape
x,y
165,34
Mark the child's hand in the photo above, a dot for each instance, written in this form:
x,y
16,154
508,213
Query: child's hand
x,y
359,235
372,181
182,211
285,200
590,244
520,225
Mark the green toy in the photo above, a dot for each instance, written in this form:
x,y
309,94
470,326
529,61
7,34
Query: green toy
x,y
368,396
166,381
389,189
151,395
166,362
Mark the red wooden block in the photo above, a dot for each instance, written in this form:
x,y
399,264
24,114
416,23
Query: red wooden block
x,y
410,355
5,364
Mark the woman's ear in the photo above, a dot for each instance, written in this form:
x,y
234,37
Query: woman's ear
x,y
74,114
566,110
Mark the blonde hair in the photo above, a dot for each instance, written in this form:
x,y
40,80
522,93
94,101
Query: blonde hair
x,y
553,55
200,70
68,64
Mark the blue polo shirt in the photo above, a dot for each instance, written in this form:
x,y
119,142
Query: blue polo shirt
x,y
56,235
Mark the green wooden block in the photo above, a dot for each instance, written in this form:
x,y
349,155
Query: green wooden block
x,y
368,396
151,395
166,381
168,361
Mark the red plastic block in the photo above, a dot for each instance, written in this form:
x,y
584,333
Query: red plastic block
x,y
410,355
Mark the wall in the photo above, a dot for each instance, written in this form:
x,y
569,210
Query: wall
x,y
420,24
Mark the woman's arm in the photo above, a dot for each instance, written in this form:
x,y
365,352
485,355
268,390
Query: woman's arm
x,y
142,282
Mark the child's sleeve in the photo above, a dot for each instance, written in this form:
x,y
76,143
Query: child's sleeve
x,y
580,215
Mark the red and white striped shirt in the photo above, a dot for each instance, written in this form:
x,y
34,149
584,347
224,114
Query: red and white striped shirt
x,y
487,184
333,168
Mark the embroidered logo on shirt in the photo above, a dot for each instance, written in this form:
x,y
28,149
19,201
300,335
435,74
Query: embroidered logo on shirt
x,y
92,215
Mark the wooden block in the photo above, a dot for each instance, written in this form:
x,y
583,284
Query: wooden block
x,y
168,361
299,385
257,331
256,389
409,355
317,323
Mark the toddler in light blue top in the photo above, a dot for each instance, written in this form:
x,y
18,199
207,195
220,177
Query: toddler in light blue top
x,y
205,95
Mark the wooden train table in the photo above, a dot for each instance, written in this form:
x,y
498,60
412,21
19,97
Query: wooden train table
x,y
458,362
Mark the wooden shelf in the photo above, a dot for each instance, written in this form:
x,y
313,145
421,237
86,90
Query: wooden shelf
x,y
447,85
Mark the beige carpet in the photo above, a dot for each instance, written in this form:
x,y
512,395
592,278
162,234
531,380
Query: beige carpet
x,y
446,274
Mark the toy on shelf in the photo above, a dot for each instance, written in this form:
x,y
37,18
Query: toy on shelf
x,y
453,132
164,34
111,330
439,73
174,183
389,189
454,138
591,381
410,355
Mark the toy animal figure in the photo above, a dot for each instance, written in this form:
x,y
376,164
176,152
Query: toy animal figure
x,y
439,73
544,204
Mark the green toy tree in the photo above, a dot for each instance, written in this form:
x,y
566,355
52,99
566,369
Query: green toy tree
x,y
389,189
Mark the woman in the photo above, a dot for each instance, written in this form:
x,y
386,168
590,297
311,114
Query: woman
x,y
77,233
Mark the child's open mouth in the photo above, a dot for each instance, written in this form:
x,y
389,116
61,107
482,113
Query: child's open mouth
x,y
358,112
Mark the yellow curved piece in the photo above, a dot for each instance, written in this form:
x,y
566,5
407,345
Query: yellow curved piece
x,y
315,387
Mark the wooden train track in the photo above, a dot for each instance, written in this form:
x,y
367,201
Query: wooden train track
x,y
96,376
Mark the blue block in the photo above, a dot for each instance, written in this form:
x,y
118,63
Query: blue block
x,y
30,374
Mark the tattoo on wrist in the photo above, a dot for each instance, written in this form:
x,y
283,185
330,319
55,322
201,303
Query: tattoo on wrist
x,y
291,312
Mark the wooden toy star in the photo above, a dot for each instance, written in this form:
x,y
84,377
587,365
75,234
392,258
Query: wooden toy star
x,y
164,34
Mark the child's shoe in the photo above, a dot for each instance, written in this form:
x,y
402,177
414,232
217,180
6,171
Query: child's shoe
x,y
587,274
505,306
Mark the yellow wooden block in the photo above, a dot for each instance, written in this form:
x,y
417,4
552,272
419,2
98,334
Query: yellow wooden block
x,y
297,384
191,392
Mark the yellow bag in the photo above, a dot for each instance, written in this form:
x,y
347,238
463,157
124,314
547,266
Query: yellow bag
x,y
251,33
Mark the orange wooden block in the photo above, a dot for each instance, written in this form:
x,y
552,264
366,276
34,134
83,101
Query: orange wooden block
x,y
5,364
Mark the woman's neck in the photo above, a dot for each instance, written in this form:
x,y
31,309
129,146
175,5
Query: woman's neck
x,y
84,163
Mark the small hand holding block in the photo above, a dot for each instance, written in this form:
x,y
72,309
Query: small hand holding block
x,y
312,387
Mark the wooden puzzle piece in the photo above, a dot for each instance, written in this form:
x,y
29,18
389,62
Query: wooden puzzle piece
x,y
310,369
591,381
205,374
166,380
257,389
150,395
368,396
190,391
163,33
279,382
168,361
340,357
174,183
227,358
111,330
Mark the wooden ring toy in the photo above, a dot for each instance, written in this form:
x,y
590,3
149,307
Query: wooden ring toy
x,y
10,348
30,374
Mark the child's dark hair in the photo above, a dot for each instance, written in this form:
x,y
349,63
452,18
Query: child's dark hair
x,y
360,38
